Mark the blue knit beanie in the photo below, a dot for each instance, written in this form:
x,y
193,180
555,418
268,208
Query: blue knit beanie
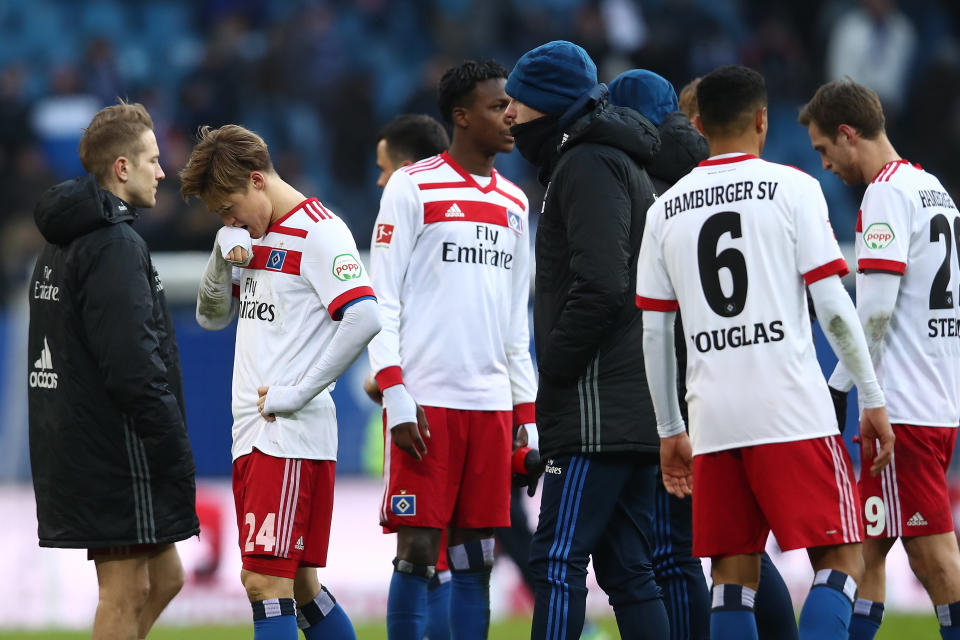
x,y
645,91
552,77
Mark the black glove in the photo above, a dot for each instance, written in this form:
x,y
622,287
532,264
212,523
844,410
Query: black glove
x,y
839,407
527,469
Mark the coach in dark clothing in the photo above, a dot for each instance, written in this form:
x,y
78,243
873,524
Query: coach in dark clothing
x,y
112,466
596,421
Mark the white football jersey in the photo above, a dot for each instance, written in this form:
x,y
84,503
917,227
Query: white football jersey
x,y
304,270
909,225
450,258
733,244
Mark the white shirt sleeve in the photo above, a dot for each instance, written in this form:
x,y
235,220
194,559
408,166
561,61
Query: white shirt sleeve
x,y
818,254
359,324
523,382
841,326
654,289
660,364
886,220
395,234
331,265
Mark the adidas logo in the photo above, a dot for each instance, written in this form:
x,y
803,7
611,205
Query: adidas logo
x,y
454,211
299,545
43,376
916,520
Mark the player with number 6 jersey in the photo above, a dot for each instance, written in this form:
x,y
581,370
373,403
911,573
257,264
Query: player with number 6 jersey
x,y
732,246
908,263
289,269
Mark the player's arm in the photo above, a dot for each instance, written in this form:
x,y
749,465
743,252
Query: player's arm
x,y
395,234
359,323
216,305
523,381
119,322
599,260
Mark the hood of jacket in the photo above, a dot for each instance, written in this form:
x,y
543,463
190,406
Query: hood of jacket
x,y
619,127
681,149
76,207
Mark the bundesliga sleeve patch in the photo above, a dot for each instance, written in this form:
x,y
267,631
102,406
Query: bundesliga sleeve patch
x,y
346,267
879,235
384,235
404,505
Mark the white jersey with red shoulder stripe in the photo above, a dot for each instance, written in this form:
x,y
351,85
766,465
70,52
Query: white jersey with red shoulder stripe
x,y
909,225
304,270
732,245
450,258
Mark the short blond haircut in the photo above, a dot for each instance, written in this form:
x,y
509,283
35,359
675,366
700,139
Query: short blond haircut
x,y
221,162
114,132
688,99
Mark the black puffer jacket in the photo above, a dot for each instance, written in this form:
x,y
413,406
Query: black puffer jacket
x,y
593,395
111,460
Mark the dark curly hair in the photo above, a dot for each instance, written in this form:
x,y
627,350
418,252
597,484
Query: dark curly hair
x,y
458,83
728,97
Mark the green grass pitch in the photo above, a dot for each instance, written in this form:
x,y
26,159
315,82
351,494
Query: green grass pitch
x,y
894,627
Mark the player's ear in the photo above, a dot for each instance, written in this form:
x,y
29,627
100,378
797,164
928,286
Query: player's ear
x,y
847,134
120,168
761,119
460,117
257,180
698,123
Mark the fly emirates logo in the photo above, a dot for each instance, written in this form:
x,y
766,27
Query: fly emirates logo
x,y
253,309
479,253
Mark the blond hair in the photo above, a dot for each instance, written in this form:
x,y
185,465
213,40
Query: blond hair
x,y
221,162
115,131
688,99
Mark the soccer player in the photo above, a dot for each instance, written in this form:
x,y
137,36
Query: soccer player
x,y
306,311
907,232
598,432
112,467
404,140
731,246
450,263
679,574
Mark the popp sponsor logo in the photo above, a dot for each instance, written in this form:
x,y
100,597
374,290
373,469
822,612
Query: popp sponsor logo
x,y
346,267
879,235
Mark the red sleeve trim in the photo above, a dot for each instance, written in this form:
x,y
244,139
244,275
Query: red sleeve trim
x,y
524,413
236,291
388,377
888,266
335,308
836,268
652,304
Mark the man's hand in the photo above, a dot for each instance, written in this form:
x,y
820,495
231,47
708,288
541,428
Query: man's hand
x,y
262,392
839,407
874,426
372,389
238,256
409,436
676,465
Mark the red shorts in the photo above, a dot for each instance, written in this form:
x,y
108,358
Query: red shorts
x,y
909,497
284,507
802,490
464,480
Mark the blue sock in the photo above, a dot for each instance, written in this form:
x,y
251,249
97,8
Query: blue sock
x,y
866,619
949,617
438,607
731,617
322,618
407,601
827,610
274,619
470,588
773,607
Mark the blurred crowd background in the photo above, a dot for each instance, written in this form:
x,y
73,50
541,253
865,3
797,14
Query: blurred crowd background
x,y
318,79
